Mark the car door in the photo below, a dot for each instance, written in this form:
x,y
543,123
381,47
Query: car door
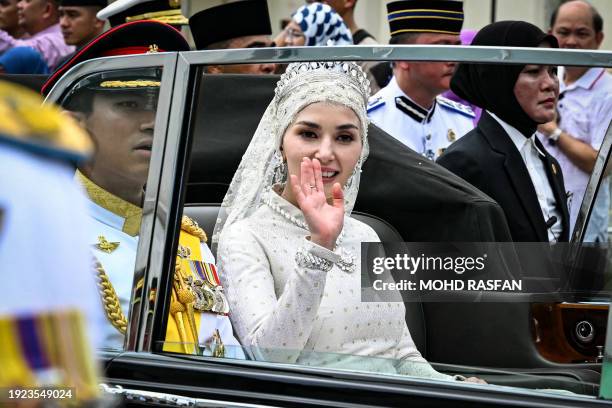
x,y
147,373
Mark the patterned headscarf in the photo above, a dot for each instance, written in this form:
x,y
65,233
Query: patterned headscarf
x,y
322,25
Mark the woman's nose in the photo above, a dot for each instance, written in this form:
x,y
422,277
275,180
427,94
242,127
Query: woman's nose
x,y
325,152
550,81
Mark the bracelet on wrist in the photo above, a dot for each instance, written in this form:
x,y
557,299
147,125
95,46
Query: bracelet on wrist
x,y
307,260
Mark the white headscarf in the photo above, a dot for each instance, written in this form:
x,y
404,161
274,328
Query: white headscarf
x,y
304,83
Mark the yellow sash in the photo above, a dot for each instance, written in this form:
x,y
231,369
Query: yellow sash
x,y
183,320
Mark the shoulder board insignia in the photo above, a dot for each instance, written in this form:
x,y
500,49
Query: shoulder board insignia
x,y
375,103
191,227
456,106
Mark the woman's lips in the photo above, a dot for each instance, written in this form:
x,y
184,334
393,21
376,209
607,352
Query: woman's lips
x,y
328,175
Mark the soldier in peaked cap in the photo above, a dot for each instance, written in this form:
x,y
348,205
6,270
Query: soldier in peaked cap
x,y
118,109
241,24
410,107
125,11
78,20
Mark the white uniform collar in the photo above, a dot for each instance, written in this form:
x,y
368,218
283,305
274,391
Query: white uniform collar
x,y
407,105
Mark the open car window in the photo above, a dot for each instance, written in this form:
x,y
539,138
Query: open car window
x,y
543,345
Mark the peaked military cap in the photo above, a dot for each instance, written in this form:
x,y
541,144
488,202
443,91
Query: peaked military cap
x,y
228,21
83,3
125,11
425,16
138,37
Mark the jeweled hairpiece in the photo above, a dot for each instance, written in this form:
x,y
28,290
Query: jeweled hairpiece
x,y
341,72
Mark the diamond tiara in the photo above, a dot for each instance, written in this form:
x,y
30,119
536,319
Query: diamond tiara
x,y
346,72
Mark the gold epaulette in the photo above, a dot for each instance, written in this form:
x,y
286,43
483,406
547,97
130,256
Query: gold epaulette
x,y
190,226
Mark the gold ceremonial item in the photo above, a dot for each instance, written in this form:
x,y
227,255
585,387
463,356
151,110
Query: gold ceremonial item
x,y
105,246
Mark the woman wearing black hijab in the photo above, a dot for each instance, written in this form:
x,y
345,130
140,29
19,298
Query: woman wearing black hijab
x,y
501,156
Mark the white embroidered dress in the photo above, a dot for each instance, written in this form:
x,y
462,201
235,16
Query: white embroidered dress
x,y
289,314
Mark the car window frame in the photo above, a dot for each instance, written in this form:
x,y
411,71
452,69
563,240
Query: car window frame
x,y
163,206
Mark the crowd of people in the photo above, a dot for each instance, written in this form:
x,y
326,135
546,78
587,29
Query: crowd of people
x,y
531,148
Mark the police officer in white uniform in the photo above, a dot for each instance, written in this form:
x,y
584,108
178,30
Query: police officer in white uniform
x,y
410,107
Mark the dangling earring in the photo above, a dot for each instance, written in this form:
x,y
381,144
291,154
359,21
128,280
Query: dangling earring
x,y
351,179
280,170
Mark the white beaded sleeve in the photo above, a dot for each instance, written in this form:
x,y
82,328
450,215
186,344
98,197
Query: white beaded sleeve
x,y
273,326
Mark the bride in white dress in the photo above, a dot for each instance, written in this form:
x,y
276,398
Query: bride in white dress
x,y
288,250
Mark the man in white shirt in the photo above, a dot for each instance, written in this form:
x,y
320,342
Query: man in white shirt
x,y
411,108
584,112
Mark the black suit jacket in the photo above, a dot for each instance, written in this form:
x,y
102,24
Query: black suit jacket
x,y
487,158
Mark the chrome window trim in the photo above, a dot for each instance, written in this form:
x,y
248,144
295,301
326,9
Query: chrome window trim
x,y
508,55
166,220
139,328
592,187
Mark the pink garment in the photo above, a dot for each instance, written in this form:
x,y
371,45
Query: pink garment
x,y
48,42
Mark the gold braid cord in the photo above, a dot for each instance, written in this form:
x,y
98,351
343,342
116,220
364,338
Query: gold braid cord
x,y
110,301
181,307
190,226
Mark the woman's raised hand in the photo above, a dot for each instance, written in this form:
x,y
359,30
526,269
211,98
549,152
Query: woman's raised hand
x,y
324,221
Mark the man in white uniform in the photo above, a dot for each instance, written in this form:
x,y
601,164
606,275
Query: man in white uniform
x,y
118,109
584,113
410,107
43,251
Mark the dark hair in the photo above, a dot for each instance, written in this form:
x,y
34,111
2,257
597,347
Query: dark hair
x,y
220,45
597,19
407,38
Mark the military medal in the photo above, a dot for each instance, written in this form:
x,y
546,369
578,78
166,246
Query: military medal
x,y
184,252
221,305
204,297
451,136
105,246
211,287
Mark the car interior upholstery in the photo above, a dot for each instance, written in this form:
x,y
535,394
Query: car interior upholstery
x,y
431,204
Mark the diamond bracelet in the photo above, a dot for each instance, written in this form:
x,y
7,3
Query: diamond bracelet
x,y
307,260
